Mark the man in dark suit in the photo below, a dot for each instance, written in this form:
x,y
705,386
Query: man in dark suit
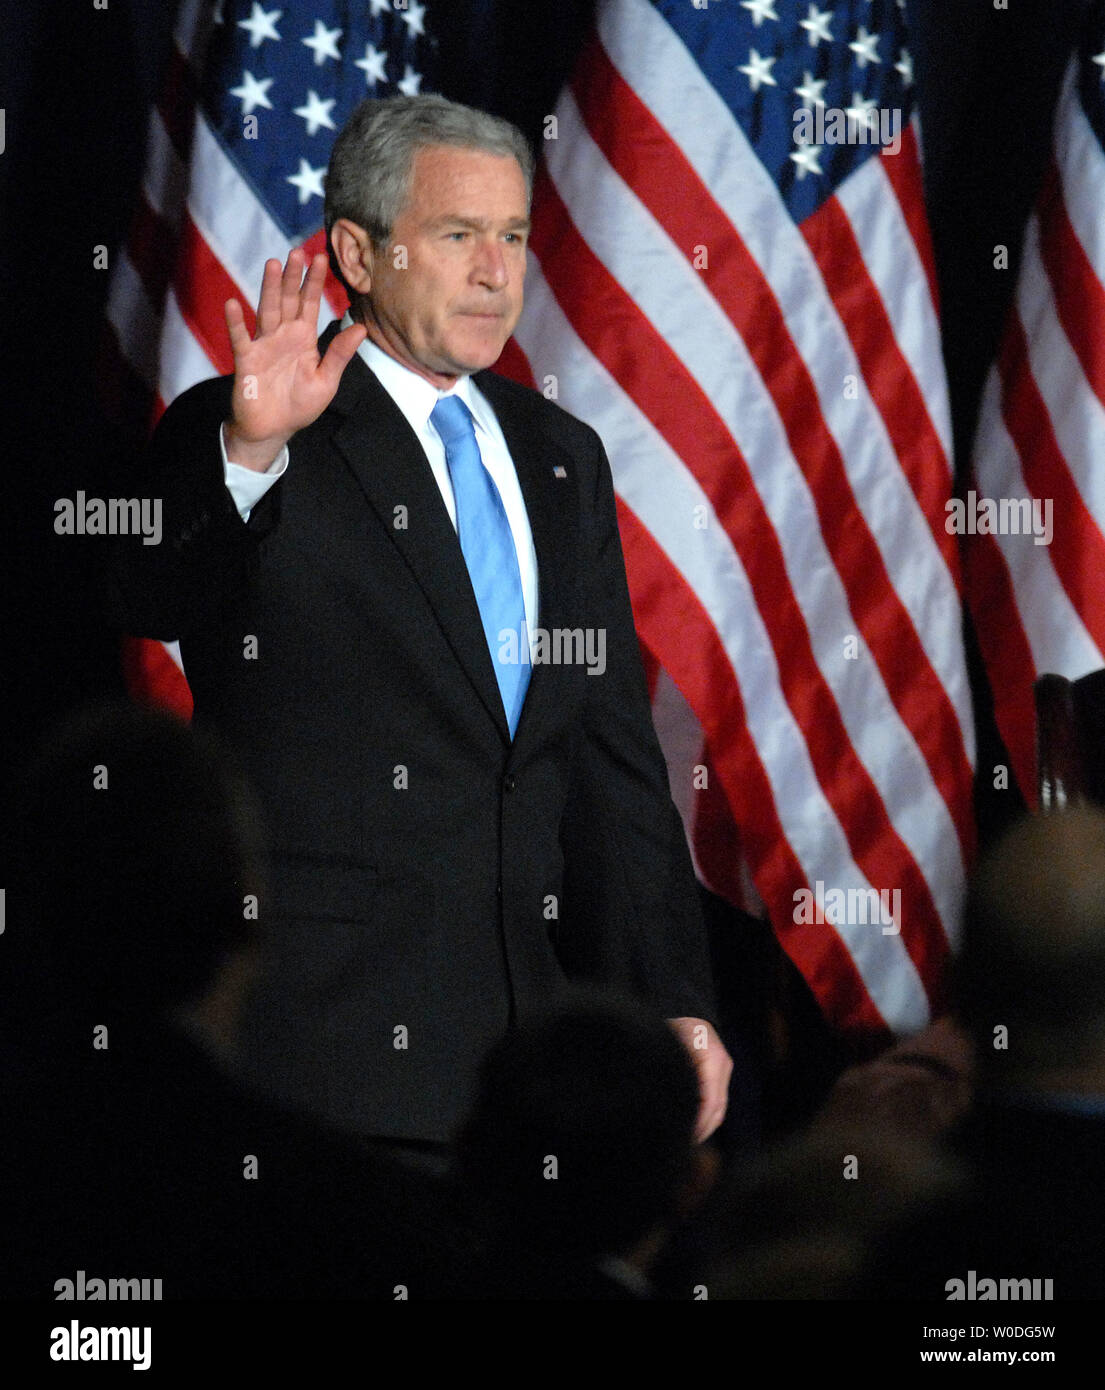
x,y
414,622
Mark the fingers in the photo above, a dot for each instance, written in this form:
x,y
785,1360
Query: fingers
x,y
283,296
236,327
710,1115
340,353
312,289
268,305
289,286
711,1107
714,1072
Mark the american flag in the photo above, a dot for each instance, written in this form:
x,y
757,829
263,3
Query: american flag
x,y
237,150
1041,432
751,325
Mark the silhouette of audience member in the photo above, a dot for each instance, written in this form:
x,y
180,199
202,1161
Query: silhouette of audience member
x,y
132,861
1031,989
1030,992
810,1218
921,1086
578,1158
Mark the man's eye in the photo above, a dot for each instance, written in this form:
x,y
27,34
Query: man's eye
x,y
454,236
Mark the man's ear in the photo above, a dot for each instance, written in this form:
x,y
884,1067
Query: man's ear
x,y
353,251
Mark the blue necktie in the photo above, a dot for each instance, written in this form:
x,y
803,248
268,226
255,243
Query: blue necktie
x,y
488,548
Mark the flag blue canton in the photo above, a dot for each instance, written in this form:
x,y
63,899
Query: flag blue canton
x,y
768,59
299,70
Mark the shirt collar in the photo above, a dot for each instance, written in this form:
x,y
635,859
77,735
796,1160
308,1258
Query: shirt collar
x,y
413,394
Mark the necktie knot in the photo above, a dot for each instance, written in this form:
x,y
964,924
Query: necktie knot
x,y
453,421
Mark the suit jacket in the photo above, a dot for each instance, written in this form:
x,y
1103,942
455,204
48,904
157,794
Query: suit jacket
x,y
431,880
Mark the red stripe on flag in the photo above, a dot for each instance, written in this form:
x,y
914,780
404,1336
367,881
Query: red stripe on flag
x,y
177,104
1080,560
153,677
637,356
1006,654
889,377
623,127
906,178
202,286
152,247
700,668
514,363
1079,294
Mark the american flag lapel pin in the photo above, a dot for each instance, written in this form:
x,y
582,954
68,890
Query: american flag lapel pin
x,y
559,471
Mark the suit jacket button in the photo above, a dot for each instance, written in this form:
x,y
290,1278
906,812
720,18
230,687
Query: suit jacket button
x,y
508,782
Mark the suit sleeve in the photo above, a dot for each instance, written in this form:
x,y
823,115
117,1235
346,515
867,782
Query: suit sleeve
x,y
181,585
626,859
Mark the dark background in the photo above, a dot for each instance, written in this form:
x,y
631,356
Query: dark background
x,y
76,83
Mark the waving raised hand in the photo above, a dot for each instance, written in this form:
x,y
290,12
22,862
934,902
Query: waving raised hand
x,y
280,383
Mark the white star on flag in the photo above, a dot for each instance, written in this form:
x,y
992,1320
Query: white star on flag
x,y
817,25
810,91
324,42
253,93
862,111
865,47
260,25
411,82
758,70
806,158
904,67
1099,59
372,65
760,10
380,7
316,112
412,18
308,181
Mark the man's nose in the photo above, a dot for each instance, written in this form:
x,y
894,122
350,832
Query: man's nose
x,y
490,266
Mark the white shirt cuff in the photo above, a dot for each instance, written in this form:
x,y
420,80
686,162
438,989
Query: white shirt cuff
x,y
246,486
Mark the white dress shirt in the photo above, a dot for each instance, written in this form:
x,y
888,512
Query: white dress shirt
x,y
416,398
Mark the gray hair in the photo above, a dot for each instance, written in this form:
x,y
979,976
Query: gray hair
x,y
369,177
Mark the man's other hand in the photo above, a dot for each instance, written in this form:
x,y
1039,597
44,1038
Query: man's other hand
x,y
714,1067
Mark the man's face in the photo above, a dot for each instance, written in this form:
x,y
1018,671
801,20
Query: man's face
x,y
450,310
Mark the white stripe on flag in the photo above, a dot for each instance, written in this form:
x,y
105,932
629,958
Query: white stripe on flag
x,y
183,361
656,64
895,266
234,224
135,321
1082,171
630,244
1056,635
657,487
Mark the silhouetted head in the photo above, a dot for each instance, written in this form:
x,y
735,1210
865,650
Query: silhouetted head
x,y
130,844
1031,978
581,1138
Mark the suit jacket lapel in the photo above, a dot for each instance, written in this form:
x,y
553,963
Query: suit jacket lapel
x,y
394,473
